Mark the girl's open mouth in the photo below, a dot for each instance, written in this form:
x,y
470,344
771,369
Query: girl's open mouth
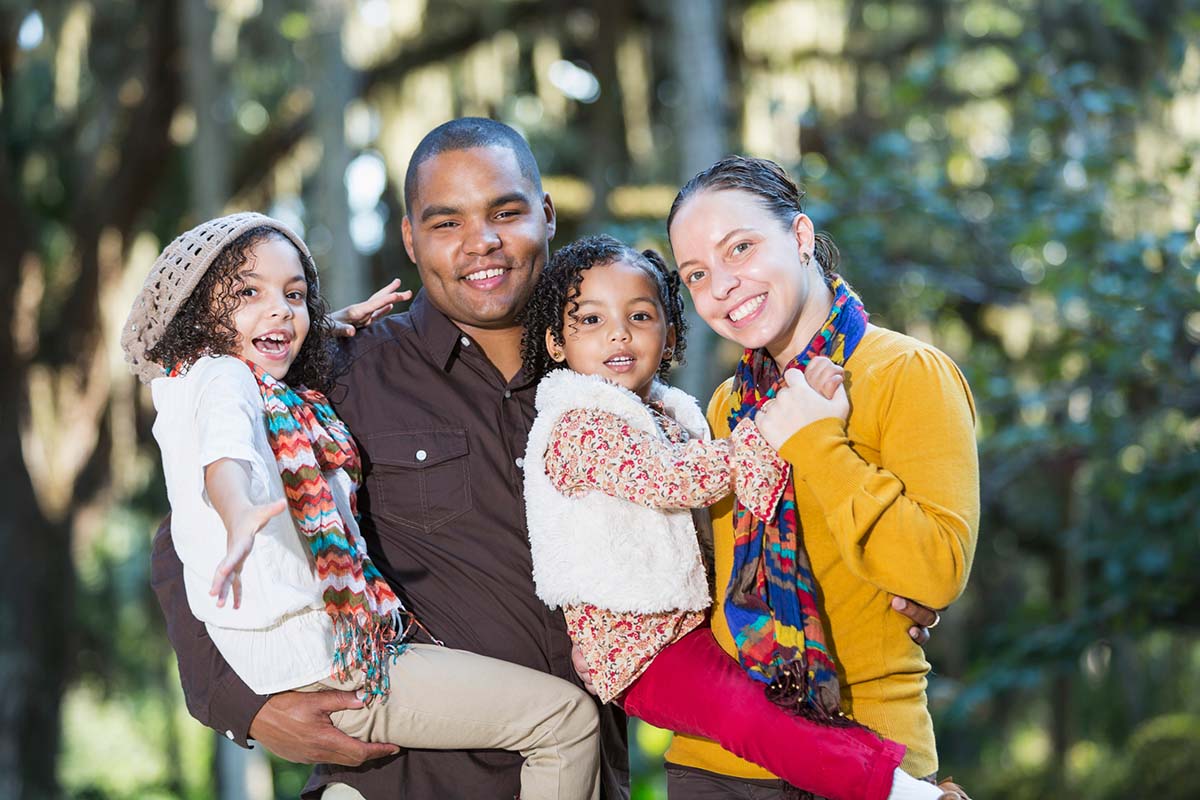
x,y
273,345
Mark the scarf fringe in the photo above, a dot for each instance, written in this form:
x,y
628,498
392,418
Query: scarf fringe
x,y
793,692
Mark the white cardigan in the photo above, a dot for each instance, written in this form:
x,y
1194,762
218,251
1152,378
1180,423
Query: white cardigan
x,y
605,550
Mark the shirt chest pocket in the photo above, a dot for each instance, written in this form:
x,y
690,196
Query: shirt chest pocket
x,y
420,480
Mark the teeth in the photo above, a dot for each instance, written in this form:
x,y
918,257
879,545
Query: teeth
x,y
747,308
621,360
484,274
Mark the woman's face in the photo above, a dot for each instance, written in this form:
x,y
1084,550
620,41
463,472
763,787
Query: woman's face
x,y
744,267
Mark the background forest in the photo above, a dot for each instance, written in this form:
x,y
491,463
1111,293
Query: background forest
x,y
1016,182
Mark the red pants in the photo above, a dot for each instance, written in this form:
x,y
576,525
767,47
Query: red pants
x,y
694,687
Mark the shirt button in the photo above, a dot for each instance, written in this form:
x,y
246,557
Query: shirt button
x,y
507,394
520,463
229,735
422,455
465,341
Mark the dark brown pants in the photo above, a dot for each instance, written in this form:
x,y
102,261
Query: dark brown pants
x,y
685,783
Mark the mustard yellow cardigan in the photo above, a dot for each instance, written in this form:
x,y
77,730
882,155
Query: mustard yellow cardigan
x,y
889,504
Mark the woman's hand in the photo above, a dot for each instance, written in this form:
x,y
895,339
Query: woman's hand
x,y
240,541
359,315
797,404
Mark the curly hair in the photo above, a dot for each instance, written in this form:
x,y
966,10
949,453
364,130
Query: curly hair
x,y
204,324
556,294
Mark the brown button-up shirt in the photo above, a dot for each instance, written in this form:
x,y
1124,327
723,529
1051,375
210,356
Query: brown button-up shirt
x,y
442,435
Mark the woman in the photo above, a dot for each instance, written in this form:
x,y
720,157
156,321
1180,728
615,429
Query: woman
x,y
885,481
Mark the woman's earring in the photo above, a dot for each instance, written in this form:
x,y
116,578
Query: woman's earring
x,y
668,354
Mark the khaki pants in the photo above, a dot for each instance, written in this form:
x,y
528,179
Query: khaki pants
x,y
447,699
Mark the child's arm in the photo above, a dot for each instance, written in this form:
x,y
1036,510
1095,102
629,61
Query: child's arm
x,y
346,321
225,482
594,450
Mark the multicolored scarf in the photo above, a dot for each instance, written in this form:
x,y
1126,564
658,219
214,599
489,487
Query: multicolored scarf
x,y
308,439
771,600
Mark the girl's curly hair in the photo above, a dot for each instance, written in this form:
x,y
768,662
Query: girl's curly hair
x,y
203,326
557,291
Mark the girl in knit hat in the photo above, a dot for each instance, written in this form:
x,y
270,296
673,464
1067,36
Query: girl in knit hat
x,y
232,335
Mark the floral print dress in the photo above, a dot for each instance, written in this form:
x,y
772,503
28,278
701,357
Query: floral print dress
x,y
592,450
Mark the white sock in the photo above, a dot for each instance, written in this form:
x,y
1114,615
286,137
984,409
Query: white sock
x,y
906,787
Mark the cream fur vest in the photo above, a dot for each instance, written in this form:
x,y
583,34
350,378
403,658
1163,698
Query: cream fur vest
x,y
605,550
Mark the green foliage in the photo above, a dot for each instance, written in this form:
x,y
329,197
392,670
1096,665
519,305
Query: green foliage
x,y
1010,187
1163,754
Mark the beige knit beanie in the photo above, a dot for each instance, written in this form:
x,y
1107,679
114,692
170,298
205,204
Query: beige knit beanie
x,y
173,278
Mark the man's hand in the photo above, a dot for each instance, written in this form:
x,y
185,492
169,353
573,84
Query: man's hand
x,y
295,726
925,618
581,668
349,319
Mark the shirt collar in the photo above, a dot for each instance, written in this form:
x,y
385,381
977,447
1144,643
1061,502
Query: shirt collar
x,y
440,336
443,340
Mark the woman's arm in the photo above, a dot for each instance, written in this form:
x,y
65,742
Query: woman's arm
x,y
594,450
909,524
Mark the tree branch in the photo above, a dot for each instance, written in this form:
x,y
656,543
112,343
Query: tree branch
x,y
258,159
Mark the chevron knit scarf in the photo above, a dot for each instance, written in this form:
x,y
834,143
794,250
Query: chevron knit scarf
x,y
308,439
770,602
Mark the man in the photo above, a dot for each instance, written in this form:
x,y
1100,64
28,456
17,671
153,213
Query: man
x,y
441,409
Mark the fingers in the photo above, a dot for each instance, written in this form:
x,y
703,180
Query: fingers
x,y
919,635
793,377
581,669
221,583
343,329
330,701
824,376
338,747
350,752
237,590
924,617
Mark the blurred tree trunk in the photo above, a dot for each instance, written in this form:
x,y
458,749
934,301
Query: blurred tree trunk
x,y
204,81
37,573
604,120
701,130
335,84
55,399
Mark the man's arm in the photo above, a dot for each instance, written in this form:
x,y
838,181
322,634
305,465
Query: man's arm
x,y
293,725
215,695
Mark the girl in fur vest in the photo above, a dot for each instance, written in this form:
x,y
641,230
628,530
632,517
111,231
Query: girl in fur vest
x,y
616,460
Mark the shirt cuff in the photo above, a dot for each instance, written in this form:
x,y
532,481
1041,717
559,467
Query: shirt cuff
x,y
760,474
232,709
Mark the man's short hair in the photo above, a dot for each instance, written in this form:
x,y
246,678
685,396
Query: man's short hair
x,y
466,133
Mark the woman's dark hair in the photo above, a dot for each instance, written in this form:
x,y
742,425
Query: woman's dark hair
x,y
767,181
204,323
557,291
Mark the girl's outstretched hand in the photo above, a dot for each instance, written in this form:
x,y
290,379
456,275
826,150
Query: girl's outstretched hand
x,y
240,542
797,405
359,315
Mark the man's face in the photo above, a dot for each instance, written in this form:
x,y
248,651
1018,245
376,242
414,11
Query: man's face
x,y
479,233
